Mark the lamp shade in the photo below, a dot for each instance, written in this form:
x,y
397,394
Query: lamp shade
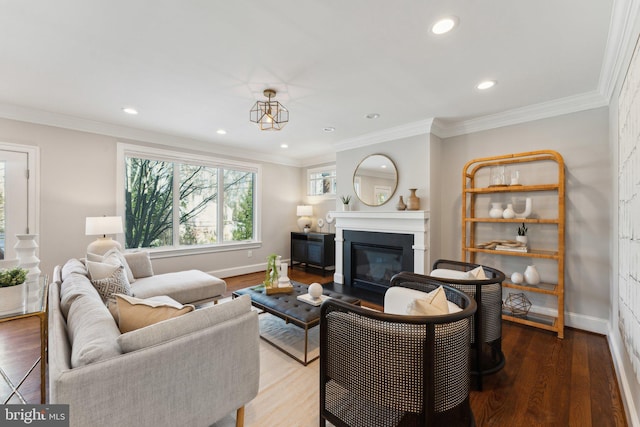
x,y
304,210
102,225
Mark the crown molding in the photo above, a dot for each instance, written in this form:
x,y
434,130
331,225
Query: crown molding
x,y
47,118
543,110
421,127
624,16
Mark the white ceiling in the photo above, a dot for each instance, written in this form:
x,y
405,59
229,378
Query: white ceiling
x,y
192,67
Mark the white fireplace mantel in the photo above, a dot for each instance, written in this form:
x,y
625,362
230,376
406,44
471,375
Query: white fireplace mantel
x,y
402,222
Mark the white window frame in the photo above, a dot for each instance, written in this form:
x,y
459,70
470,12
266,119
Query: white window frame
x,y
330,168
129,150
33,184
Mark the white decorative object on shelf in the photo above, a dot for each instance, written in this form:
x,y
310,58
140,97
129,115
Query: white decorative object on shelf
x,y
12,298
509,212
26,253
517,278
527,209
315,290
496,210
531,275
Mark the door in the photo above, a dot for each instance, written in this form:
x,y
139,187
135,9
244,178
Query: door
x,y
14,197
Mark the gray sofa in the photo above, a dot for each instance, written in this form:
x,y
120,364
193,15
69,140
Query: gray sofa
x,y
190,370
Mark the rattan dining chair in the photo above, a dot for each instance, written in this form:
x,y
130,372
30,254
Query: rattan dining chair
x,y
380,369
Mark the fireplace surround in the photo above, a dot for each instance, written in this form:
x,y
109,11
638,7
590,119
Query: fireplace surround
x,y
413,225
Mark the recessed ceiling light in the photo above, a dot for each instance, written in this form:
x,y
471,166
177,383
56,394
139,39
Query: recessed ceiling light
x,y
221,132
383,166
372,116
444,25
329,129
284,146
130,110
487,84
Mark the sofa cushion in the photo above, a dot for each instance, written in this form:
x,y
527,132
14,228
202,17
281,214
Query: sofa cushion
x,y
73,266
135,313
108,280
183,286
74,286
183,325
139,263
92,332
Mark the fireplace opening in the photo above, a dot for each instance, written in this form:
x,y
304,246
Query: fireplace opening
x,y
371,258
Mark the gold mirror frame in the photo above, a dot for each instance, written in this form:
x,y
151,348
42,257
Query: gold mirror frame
x,y
375,180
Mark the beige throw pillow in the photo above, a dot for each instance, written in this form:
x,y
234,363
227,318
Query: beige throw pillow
x,y
478,273
135,313
434,304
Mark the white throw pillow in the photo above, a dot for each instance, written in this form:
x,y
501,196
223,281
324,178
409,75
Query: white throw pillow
x,y
452,274
478,273
139,263
433,304
115,257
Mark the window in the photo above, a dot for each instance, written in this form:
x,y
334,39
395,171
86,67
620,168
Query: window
x,y
172,200
321,182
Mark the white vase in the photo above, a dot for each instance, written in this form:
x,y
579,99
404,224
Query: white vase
x,y
509,212
12,298
26,253
531,275
522,239
496,210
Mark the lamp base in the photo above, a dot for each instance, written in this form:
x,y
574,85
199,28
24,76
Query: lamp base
x,y
102,245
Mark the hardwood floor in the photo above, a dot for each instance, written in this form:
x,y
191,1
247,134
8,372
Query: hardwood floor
x,y
545,382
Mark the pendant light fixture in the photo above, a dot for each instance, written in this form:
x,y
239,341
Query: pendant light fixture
x,y
269,115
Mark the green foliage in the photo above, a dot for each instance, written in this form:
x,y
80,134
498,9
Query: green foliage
x,y
12,277
149,200
346,199
243,217
271,275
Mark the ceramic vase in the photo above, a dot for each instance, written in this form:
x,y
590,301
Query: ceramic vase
x,y
509,212
522,239
413,202
496,210
346,207
531,275
26,253
401,205
12,299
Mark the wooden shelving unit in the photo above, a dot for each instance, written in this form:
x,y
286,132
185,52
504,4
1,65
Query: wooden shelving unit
x,y
475,184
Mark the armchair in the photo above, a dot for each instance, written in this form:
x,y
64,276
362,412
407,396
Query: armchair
x,y
380,369
486,350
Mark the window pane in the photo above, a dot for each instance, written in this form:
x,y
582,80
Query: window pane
x,y
320,183
238,205
198,205
148,203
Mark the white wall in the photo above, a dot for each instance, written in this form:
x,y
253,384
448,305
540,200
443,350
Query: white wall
x,y
581,138
77,179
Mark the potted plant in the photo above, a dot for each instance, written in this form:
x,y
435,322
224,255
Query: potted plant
x,y
12,288
522,234
345,202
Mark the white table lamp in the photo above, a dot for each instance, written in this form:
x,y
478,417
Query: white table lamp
x,y
101,226
304,213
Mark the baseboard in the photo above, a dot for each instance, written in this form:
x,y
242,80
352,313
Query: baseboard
x,y
239,271
623,381
580,321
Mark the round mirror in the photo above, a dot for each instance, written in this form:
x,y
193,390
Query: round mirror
x,y
375,180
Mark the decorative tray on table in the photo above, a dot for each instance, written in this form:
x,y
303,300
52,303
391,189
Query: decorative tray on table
x,y
316,302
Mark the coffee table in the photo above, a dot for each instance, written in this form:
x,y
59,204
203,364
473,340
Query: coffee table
x,y
291,310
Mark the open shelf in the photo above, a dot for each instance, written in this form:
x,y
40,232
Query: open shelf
x,y
472,188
